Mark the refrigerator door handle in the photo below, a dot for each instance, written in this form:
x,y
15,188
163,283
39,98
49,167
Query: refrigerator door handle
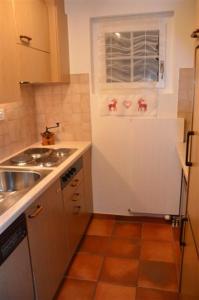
x,y
187,162
183,221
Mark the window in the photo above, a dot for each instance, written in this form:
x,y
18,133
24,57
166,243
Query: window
x,y
129,51
132,56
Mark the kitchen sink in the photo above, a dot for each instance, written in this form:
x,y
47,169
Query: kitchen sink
x,y
16,183
17,180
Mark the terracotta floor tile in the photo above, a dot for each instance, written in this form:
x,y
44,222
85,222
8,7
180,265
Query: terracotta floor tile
x,y
120,270
123,248
101,227
148,294
106,291
86,266
158,275
77,290
127,230
157,232
157,251
95,244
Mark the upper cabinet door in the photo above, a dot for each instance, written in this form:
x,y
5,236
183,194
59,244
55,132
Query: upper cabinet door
x,y
58,31
32,28
9,77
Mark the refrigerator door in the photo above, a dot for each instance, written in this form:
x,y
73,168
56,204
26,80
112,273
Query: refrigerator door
x,y
190,267
193,190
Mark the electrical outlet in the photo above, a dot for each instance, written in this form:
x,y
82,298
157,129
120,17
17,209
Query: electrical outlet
x,y
2,114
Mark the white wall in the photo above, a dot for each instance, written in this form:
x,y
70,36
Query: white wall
x,y
122,153
180,50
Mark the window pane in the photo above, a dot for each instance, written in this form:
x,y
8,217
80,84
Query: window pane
x,y
139,43
146,43
118,44
118,70
138,69
152,69
146,69
152,43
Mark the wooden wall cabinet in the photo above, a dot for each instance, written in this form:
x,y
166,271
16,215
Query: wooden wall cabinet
x,y
31,19
58,33
41,40
9,68
32,38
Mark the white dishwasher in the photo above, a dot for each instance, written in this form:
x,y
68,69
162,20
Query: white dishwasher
x,y
16,282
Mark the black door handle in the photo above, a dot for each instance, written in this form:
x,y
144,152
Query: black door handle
x,y
195,34
187,162
183,221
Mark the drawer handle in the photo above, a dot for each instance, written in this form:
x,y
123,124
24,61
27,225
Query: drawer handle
x,y
75,197
25,39
75,183
37,212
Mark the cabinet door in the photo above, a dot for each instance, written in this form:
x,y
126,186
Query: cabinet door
x,y
58,32
45,221
32,22
9,71
74,217
34,65
190,268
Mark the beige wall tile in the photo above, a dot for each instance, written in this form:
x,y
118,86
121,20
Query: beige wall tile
x,y
68,104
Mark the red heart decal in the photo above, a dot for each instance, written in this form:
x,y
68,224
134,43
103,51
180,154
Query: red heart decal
x,y
127,103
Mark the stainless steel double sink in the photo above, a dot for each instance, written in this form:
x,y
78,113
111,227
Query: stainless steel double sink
x,y
16,183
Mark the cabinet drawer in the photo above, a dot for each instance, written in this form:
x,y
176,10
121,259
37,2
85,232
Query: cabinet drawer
x,y
72,186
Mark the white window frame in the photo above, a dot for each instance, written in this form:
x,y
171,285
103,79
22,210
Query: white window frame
x,y
126,24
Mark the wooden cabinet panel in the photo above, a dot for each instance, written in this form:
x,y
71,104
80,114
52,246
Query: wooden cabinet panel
x,y
31,17
58,32
190,268
88,182
45,221
74,217
34,65
9,68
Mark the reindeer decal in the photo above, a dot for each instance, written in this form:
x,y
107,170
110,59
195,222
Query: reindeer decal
x,y
142,105
112,106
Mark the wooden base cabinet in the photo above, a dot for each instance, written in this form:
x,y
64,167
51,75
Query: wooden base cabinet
x,y
77,196
45,222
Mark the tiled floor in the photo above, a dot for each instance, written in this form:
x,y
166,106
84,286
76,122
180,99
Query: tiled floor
x,y
124,260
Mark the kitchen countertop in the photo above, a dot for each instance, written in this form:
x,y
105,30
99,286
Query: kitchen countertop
x,y
181,149
26,200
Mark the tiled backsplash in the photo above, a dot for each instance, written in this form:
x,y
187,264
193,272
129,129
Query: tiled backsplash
x,y
185,96
44,105
68,104
18,130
